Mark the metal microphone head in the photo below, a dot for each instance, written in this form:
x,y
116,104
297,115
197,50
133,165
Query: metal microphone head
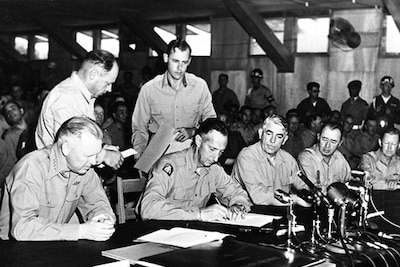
x,y
337,193
282,196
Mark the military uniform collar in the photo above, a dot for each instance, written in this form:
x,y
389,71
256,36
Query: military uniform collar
x,y
58,164
82,88
167,82
320,157
278,158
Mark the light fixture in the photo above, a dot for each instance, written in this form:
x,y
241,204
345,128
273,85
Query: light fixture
x,y
306,4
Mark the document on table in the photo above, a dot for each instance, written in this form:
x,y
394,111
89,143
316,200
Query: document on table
x,y
182,237
252,219
135,252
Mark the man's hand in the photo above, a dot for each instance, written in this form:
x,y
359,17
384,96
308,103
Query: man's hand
x,y
237,212
392,185
183,134
111,156
214,213
299,201
99,228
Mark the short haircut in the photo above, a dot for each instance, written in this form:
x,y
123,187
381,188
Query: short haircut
x,y
310,85
117,104
390,130
243,108
292,115
179,43
12,102
312,117
76,126
333,126
102,58
292,111
3,111
212,124
223,75
279,120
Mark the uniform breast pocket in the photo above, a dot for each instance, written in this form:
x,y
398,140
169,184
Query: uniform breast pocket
x,y
47,205
191,114
181,196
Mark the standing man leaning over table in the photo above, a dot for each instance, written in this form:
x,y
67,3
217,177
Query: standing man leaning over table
x,y
75,96
181,183
180,99
46,186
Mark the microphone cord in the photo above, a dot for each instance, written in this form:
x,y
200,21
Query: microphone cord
x,y
380,215
341,238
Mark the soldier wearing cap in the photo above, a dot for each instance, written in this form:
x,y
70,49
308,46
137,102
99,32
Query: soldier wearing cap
x,y
355,105
258,96
385,107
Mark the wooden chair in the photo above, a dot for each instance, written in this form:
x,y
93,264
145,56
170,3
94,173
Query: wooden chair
x,y
127,186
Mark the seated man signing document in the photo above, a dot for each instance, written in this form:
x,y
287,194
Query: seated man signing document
x,y
46,187
181,183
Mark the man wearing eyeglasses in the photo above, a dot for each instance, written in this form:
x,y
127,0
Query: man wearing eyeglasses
x,y
313,104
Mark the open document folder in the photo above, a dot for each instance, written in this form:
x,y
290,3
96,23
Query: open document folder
x,y
163,142
182,237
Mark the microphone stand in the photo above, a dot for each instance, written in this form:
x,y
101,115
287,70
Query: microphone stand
x,y
331,213
291,223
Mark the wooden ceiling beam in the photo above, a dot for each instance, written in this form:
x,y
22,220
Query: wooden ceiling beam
x,y
255,26
62,37
8,50
393,7
142,27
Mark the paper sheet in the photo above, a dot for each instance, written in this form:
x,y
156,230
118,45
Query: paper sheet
x,y
182,237
134,253
163,142
252,219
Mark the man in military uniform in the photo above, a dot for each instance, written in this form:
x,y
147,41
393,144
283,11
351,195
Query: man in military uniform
x,y
258,96
181,183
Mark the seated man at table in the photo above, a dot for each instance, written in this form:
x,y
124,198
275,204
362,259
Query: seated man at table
x,y
383,165
322,163
264,167
383,173
181,183
46,187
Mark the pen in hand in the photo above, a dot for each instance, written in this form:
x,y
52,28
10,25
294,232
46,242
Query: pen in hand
x,y
219,204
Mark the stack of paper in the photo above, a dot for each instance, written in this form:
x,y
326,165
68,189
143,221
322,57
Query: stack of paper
x,y
182,237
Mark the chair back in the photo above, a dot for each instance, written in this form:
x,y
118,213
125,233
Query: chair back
x,y
127,186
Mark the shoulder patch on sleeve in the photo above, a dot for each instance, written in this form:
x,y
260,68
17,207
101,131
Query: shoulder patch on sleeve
x,y
168,169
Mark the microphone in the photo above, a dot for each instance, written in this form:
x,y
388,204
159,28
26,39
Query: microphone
x,y
382,234
306,195
317,191
282,196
